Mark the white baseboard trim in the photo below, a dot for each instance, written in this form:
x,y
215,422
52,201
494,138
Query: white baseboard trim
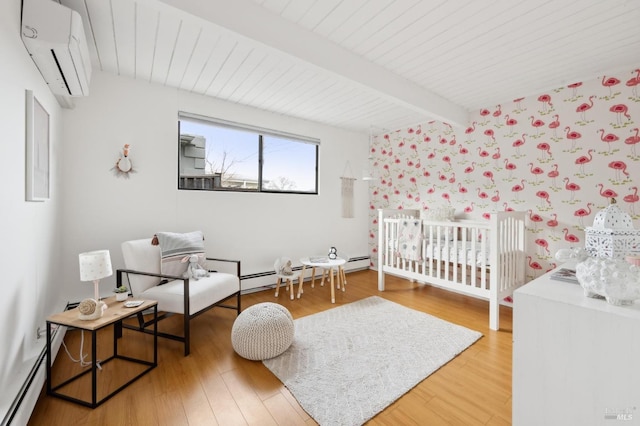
x,y
28,393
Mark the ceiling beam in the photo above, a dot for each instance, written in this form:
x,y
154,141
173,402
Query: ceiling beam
x,y
248,19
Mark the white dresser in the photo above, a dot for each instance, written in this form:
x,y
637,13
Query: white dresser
x,y
576,360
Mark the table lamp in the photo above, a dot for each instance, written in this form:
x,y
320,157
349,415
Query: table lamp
x,y
94,265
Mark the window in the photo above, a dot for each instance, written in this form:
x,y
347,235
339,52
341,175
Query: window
x,y
218,155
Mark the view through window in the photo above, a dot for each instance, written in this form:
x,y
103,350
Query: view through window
x,y
220,155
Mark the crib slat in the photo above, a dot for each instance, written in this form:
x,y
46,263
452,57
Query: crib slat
x,y
485,248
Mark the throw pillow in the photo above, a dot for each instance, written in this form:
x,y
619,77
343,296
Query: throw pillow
x,y
174,247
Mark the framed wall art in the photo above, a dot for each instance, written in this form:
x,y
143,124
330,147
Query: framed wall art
x,y
38,141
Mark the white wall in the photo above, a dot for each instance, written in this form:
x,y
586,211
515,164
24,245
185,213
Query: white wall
x,y
30,252
102,210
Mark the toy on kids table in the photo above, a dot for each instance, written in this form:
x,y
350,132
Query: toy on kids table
x,y
285,267
333,253
194,270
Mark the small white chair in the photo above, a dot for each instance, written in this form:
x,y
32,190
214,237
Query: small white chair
x,y
278,266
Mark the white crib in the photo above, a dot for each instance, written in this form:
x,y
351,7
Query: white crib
x,y
482,259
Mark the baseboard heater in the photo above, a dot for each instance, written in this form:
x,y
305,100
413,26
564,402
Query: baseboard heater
x,y
27,396
262,280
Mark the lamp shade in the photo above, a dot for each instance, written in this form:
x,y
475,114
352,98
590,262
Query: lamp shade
x,y
95,265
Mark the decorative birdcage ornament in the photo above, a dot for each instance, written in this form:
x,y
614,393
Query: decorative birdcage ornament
x,y
612,234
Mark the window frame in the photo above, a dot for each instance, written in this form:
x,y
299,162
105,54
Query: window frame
x,y
260,132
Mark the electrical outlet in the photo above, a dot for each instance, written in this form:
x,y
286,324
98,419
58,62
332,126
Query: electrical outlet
x,y
41,331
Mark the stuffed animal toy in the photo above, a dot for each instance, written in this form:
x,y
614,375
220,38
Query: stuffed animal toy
x,y
194,270
333,253
285,269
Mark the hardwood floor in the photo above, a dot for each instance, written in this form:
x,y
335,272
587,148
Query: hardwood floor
x,y
213,385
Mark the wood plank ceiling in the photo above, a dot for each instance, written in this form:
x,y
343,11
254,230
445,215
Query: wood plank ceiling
x,y
361,63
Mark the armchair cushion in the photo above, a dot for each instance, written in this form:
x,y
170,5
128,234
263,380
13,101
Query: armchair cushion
x,y
174,247
202,293
141,255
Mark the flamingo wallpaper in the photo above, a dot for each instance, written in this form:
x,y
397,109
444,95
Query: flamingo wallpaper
x,y
560,156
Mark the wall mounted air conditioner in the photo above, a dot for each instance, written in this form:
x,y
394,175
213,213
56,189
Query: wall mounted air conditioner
x,y
54,37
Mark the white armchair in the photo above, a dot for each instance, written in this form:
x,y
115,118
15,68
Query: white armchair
x,y
174,294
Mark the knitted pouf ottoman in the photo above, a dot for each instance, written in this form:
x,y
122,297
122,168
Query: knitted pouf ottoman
x,y
262,331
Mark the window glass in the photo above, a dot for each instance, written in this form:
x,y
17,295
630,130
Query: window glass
x,y
215,155
288,165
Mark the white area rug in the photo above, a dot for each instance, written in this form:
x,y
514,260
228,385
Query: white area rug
x,y
348,363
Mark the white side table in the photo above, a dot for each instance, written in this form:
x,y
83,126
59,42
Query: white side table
x,y
328,264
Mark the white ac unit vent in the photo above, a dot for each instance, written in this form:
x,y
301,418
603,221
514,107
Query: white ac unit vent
x,y
54,37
